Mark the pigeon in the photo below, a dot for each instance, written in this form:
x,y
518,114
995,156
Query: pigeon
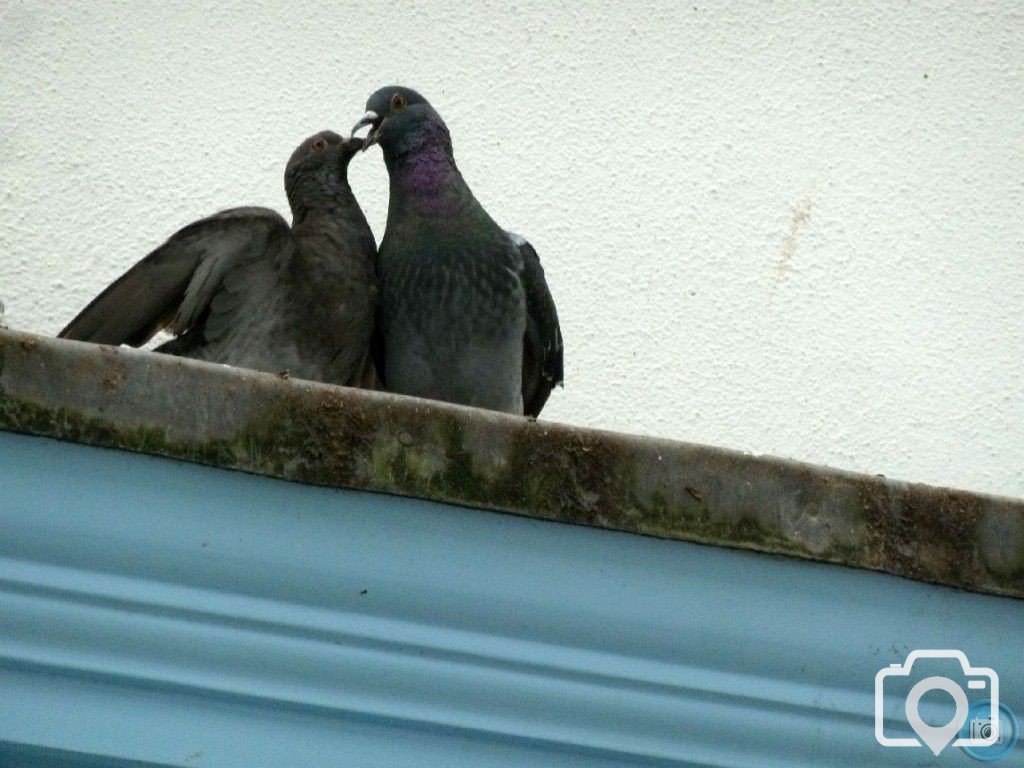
x,y
243,288
464,312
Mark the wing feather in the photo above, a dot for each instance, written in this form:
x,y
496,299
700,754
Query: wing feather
x,y
177,284
542,352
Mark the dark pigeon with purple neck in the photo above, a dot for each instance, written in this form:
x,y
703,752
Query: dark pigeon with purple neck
x,y
465,314
243,288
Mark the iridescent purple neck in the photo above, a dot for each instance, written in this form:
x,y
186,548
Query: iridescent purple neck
x,y
427,179
420,158
424,169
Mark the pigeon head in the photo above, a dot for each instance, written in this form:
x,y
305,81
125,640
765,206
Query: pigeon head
x,y
401,121
323,153
319,167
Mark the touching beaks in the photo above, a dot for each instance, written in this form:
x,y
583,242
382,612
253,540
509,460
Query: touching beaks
x,y
373,120
353,144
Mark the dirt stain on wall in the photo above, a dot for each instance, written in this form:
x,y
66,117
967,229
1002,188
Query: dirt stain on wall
x,y
800,216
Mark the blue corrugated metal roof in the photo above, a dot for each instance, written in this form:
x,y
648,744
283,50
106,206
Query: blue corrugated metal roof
x,y
174,614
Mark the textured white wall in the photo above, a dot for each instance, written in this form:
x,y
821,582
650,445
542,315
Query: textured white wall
x,y
796,230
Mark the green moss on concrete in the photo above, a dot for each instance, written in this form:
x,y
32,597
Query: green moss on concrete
x,y
342,438
67,424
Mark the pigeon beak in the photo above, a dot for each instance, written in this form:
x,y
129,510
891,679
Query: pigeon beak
x,y
352,145
373,120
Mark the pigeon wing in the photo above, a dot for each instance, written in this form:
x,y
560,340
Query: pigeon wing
x,y
542,351
177,284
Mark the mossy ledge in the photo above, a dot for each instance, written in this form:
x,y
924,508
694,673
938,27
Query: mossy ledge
x,y
334,436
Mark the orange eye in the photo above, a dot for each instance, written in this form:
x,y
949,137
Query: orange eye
x,y
320,145
397,101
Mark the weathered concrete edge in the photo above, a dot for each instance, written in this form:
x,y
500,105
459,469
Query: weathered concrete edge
x,y
334,436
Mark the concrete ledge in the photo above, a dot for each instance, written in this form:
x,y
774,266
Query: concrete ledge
x,y
334,436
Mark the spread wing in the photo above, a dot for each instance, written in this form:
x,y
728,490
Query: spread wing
x,y
542,351
179,283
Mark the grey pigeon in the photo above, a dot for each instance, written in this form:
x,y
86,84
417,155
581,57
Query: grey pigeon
x,y
465,314
242,287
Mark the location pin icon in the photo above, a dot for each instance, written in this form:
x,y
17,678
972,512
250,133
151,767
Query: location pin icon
x,y
936,738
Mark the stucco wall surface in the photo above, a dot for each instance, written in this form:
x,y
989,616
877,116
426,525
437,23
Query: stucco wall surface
x,y
786,228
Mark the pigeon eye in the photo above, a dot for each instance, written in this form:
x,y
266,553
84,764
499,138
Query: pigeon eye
x,y
320,145
397,101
